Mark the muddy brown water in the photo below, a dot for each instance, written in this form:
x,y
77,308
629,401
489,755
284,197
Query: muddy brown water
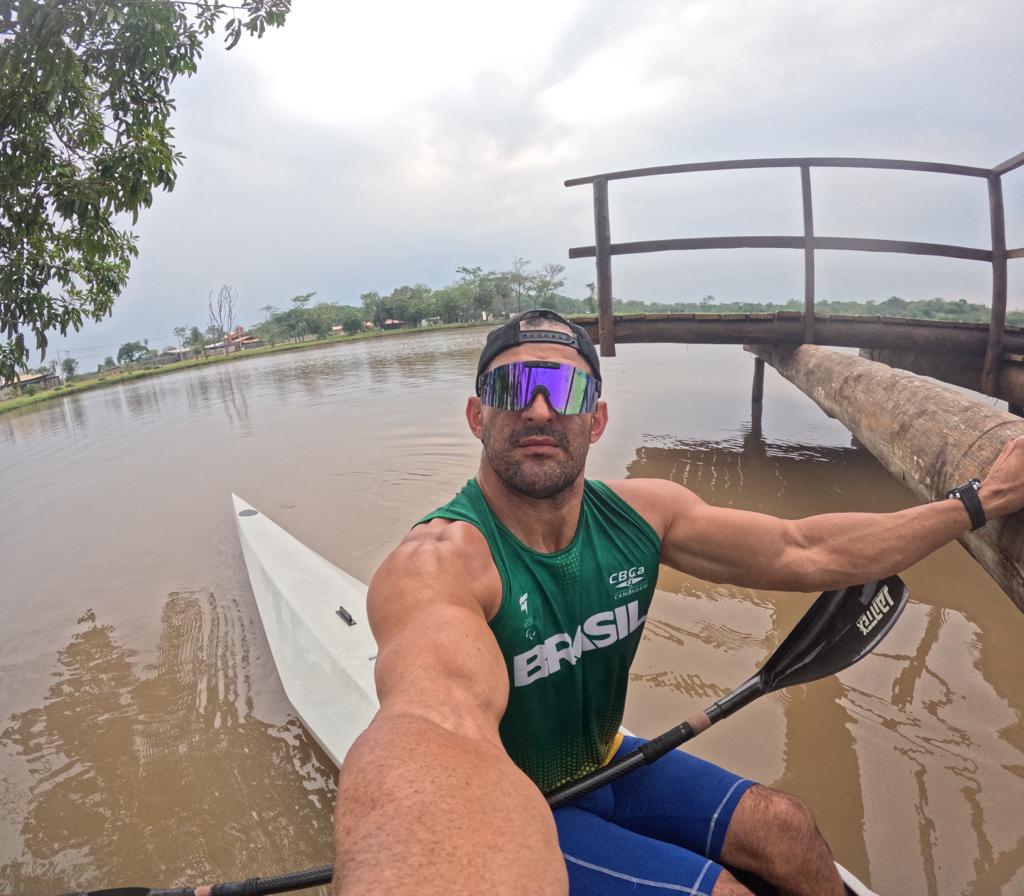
x,y
145,738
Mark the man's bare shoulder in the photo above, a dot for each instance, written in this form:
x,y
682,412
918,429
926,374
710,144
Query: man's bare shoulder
x,y
658,501
446,543
443,558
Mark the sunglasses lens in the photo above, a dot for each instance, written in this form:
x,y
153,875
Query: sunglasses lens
x,y
512,387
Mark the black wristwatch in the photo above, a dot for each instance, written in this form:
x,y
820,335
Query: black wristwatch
x,y
968,495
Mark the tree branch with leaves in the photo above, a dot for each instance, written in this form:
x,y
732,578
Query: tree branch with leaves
x,y
84,139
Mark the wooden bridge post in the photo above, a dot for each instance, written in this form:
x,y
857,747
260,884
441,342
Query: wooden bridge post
x,y
805,184
997,323
603,236
755,440
757,392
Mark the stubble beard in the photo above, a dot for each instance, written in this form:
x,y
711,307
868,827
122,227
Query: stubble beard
x,y
539,478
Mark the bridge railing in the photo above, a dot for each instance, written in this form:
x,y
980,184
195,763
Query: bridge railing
x,y
603,248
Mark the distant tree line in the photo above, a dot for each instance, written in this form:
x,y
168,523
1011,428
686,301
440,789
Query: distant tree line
x,y
477,295
894,306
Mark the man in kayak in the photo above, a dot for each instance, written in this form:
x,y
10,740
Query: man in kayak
x,y
506,622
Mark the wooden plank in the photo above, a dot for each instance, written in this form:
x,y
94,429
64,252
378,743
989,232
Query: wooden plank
x,y
602,233
1009,165
814,162
955,368
929,437
786,327
788,242
941,250
997,322
1015,253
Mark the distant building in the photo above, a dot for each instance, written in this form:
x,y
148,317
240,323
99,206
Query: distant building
x,y
238,339
171,355
35,380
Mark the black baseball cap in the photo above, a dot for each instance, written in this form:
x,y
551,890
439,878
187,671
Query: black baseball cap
x,y
511,334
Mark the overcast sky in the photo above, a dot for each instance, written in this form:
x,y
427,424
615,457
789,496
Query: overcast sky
x,y
365,146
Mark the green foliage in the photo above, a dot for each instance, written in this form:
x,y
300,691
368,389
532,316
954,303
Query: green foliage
x,y
84,140
70,367
894,306
193,339
351,320
181,334
131,352
300,321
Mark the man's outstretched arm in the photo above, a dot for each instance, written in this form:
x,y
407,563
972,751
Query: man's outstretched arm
x,y
817,552
428,799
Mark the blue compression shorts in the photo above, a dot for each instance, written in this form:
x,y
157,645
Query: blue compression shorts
x,y
657,831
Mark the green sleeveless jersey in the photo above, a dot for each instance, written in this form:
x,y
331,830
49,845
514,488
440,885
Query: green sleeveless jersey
x,y
569,625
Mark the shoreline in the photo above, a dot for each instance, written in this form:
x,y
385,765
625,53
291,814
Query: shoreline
x,y
19,402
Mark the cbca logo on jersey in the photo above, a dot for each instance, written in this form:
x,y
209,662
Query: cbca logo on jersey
x,y
627,582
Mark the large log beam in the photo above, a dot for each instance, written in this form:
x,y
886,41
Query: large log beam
x,y
929,437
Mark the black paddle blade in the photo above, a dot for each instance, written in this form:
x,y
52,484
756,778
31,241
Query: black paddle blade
x,y
840,628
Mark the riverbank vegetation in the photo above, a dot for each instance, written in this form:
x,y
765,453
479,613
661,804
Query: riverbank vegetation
x,y
10,400
476,297
479,294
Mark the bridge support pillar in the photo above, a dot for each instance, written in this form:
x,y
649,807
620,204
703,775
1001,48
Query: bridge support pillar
x,y
927,436
757,390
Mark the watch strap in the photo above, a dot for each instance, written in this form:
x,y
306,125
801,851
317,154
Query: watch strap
x,y
967,494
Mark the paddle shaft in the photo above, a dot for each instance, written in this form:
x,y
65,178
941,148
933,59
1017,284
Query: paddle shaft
x,y
654,749
260,886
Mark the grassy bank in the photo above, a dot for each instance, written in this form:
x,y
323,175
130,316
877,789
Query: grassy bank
x,y
102,380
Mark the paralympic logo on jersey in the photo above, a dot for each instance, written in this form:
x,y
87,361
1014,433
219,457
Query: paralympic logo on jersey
x,y
600,630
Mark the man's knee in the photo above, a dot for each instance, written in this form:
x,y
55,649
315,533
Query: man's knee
x,y
789,816
727,885
768,828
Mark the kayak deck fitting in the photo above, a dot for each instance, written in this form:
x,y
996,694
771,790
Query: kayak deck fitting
x,y
314,616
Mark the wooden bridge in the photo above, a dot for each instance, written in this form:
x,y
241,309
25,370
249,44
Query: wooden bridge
x,y
809,242
929,437
950,351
